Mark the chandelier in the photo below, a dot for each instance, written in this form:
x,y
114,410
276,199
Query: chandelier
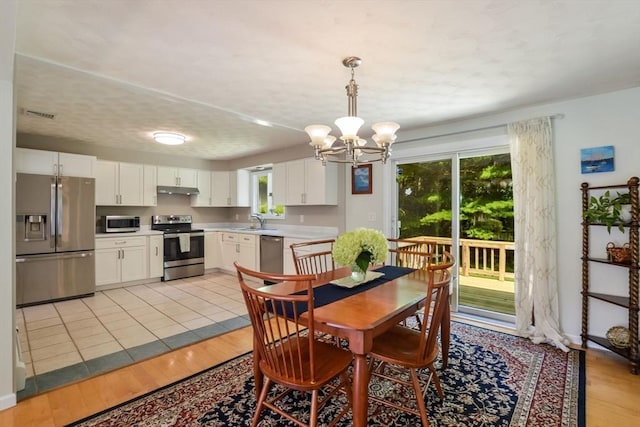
x,y
351,148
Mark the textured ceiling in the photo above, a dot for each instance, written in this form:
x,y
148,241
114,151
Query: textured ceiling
x,y
113,71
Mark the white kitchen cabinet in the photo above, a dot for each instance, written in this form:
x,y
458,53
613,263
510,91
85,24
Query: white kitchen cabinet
x,y
239,247
204,187
311,183
150,186
212,250
156,256
119,183
279,183
177,177
220,188
230,188
54,163
121,259
288,265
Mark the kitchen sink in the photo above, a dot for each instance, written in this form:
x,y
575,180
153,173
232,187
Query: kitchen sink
x,y
254,230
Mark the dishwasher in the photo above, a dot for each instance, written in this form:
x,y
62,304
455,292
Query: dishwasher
x,y
271,248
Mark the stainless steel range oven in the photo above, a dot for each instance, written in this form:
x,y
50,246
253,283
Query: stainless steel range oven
x,y
183,246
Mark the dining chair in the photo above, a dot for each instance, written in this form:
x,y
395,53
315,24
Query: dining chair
x,y
424,255
288,352
402,348
411,252
313,257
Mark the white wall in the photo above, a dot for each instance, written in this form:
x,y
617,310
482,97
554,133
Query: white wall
x,y
607,119
7,253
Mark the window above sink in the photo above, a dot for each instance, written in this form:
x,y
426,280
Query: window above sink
x,y
261,193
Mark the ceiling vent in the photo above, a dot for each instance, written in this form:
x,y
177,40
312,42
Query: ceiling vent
x,y
33,113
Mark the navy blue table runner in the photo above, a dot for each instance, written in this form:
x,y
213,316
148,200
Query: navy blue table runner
x,y
326,294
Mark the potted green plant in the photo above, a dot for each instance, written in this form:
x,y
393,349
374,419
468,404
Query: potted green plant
x,y
607,210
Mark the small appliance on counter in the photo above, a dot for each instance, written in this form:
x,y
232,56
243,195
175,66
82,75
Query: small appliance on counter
x,y
183,246
119,224
55,238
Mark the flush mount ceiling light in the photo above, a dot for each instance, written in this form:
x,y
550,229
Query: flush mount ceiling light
x,y
351,147
169,138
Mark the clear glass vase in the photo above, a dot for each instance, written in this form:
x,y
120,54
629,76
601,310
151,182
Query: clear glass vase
x,y
357,275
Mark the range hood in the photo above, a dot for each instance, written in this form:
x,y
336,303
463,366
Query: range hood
x,y
166,189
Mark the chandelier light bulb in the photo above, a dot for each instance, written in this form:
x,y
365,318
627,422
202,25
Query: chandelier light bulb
x,y
318,134
329,140
349,126
385,132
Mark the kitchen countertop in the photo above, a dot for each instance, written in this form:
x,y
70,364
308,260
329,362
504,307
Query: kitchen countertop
x,y
142,232
289,231
292,232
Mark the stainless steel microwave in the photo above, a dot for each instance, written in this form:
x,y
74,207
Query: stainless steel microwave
x,y
119,223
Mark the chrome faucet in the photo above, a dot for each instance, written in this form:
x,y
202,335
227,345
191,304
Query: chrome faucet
x,y
260,219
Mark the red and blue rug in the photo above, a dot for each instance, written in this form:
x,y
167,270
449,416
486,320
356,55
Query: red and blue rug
x,y
493,379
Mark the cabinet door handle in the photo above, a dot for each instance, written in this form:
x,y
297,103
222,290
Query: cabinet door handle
x,y
60,170
122,250
55,169
156,251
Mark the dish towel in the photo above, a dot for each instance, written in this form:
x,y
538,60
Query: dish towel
x,y
185,242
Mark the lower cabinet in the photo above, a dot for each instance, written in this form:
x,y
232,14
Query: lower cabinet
x,y
239,247
212,250
156,254
121,259
288,265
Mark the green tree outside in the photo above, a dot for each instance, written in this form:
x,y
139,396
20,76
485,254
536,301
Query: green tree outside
x,y
486,206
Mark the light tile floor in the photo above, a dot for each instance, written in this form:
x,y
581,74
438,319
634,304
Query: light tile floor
x,y
69,340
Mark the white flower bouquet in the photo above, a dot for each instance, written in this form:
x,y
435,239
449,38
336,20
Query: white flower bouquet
x,y
361,247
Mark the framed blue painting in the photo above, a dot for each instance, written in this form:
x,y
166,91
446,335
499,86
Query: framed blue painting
x,y
597,159
361,179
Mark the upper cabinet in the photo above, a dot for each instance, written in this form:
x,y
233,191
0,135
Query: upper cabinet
x,y
311,183
150,186
177,177
204,187
119,184
53,163
230,188
279,184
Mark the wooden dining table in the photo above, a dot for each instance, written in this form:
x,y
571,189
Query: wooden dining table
x,y
359,318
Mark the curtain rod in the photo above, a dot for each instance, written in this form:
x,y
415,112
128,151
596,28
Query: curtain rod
x,y
461,132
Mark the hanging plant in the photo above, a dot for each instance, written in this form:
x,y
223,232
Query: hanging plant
x,y
607,210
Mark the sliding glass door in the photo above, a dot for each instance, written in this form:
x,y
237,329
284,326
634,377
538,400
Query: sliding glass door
x,y
463,201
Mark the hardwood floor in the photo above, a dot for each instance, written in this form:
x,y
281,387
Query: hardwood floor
x,y
612,392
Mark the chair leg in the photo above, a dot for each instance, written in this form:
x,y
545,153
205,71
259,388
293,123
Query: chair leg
x,y
445,336
313,417
436,381
260,403
417,388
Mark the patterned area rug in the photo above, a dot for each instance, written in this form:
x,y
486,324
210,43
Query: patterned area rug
x,y
493,379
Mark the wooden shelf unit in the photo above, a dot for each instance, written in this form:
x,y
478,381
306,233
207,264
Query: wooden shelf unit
x,y
628,302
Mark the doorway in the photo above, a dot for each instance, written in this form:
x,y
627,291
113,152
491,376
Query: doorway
x,y
463,201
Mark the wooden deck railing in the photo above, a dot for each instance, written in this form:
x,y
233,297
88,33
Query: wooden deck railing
x,y
479,256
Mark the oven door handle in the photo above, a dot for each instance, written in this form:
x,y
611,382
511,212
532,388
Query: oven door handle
x,y
192,234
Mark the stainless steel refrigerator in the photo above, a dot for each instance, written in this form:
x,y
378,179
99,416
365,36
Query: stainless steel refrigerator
x,y
55,238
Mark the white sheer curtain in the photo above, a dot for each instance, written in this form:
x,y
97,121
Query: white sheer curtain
x,y
536,285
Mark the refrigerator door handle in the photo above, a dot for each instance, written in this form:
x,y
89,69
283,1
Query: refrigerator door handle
x,y
59,218
52,219
83,254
